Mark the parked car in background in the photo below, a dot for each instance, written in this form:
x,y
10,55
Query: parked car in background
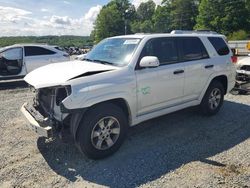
x,y
18,60
243,76
80,57
126,80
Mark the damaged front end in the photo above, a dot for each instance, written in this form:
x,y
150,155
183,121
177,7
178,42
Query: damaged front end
x,y
243,77
44,114
243,73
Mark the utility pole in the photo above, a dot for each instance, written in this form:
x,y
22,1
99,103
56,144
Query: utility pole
x,y
125,21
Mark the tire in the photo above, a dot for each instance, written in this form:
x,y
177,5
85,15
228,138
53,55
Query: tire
x,y
94,126
213,99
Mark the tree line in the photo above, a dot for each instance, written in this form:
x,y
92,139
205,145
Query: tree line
x,y
62,41
229,17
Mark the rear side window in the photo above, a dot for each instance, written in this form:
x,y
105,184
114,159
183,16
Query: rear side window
x,y
192,49
220,45
35,51
163,48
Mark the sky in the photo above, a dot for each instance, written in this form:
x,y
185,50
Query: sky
x,y
50,17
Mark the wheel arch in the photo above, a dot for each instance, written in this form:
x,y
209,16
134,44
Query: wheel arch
x,y
121,102
222,79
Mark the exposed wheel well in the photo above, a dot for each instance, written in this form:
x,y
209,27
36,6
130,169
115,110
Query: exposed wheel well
x,y
76,118
222,79
122,104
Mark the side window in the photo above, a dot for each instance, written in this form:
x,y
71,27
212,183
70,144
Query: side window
x,y
192,49
34,51
13,54
219,45
163,48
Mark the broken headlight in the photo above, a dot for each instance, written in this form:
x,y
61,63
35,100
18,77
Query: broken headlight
x,y
62,93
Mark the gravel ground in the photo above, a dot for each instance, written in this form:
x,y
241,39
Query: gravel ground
x,y
183,149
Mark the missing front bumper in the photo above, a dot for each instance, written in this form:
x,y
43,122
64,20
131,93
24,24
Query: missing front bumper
x,y
37,122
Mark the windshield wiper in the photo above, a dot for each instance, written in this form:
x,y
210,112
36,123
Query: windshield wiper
x,y
99,61
86,59
103,62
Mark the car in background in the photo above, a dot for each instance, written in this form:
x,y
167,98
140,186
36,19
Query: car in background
x,y
243,76
81,57
18,60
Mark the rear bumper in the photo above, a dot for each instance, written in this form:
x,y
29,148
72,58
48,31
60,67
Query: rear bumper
x,y
36,122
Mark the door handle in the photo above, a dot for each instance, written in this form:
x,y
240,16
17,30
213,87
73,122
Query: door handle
x,y
178,71
209,66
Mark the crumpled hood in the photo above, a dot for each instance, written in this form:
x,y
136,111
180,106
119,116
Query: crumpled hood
x,y
245,61
59,73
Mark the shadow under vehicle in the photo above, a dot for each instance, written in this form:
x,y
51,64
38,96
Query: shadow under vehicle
x,y
155,148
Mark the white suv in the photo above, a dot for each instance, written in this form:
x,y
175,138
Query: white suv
x,y
18,60
126,80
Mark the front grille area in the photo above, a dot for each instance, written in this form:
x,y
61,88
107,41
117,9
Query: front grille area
x,y
242,77
44,100
245,67
47,98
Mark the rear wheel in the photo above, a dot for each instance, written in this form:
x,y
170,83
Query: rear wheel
x,y
213,99
101,131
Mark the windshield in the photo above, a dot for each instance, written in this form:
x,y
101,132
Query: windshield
x,y
114,51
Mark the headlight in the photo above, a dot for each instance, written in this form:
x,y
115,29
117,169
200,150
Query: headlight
x,y
62,93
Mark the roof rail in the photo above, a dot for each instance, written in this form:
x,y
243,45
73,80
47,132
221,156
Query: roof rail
x,y
30,44
193,32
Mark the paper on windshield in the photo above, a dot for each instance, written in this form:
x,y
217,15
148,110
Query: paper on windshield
x,y
132,41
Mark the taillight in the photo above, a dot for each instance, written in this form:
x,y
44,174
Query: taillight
x,y
234,59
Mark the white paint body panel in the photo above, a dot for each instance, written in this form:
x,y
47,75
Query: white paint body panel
x,y
34,62
244,61
59,73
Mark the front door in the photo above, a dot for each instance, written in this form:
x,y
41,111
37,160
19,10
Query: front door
x,y
163,86
11,62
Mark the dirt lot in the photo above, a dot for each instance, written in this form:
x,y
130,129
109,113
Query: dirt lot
x,y
183,149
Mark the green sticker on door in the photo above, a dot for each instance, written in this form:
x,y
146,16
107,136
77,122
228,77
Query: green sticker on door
x,y
144,90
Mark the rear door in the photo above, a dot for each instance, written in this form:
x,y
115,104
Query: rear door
x,y
36,56
160,87
196,59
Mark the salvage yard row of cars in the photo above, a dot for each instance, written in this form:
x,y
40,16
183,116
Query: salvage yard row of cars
x,y
126,80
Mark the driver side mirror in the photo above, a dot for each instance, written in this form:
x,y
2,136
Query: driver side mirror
x,y
149,62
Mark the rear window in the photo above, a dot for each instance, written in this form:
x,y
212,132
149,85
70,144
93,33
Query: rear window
x,y
34,51
192,49
220,45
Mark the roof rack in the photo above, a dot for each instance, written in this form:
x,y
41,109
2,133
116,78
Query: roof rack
x,y
22,44
193,32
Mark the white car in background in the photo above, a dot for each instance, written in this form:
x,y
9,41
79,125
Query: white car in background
x,y
18,60
243,75
81,57
243,66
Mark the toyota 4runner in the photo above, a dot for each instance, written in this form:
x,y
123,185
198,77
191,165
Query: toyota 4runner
x,y
126,80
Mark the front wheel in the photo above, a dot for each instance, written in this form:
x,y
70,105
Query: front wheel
x,y
213,99
102,131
